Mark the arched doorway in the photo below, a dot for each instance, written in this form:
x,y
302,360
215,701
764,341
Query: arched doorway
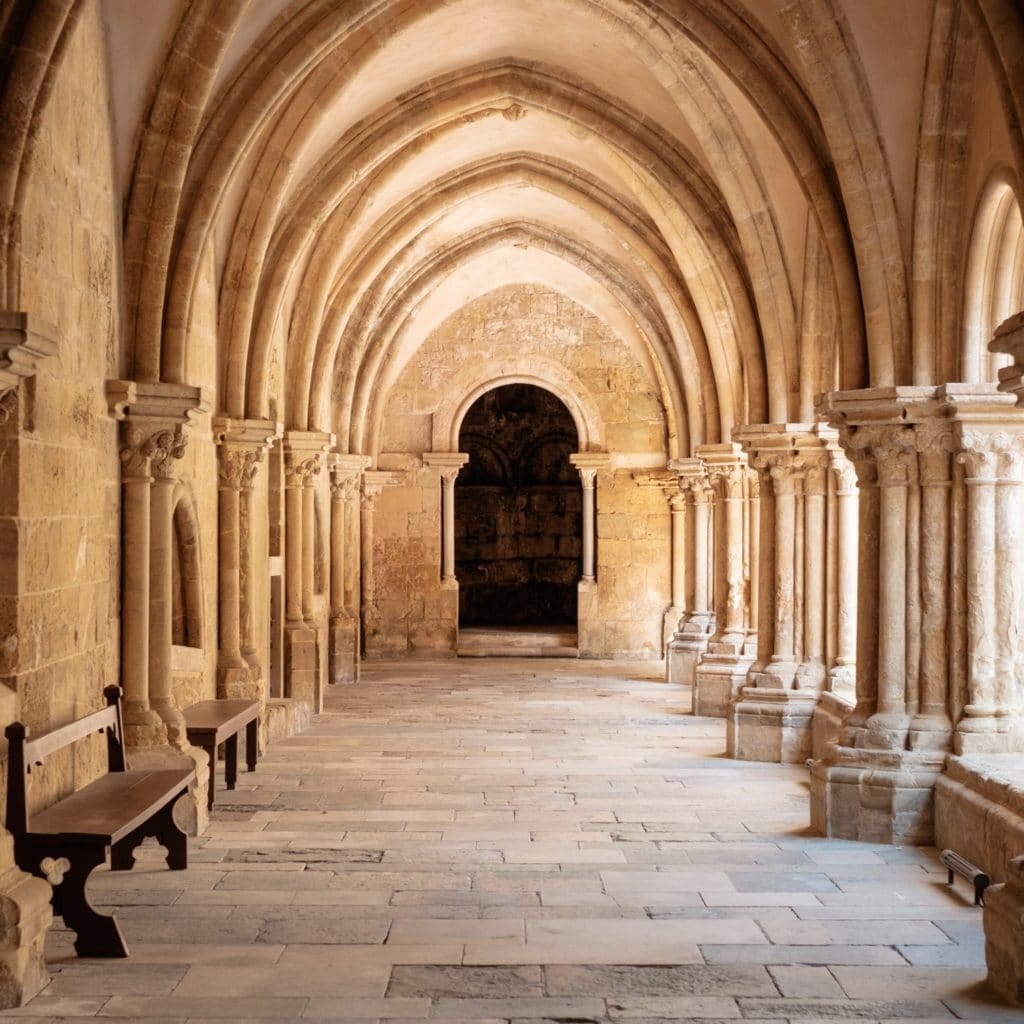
x,y
518,508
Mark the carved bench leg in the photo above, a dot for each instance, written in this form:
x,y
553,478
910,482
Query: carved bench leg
x,y
96,934
163,828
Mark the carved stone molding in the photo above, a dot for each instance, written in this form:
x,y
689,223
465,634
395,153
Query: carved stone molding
x,y
24,342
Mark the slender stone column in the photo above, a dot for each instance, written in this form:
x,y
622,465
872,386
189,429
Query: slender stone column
x,y
143,726
730,652
931,726
587,606
448,464
771,718
690,640
373,484
241,446
161,611
154,417
346,472
309,528
303,451
842,672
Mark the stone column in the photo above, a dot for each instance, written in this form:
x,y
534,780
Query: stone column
x,y
303,453
723,669
587,607
346,471
154,417
161,574
678,504
690,640
448,465
241,446
842,673
374,482
772,715
930,533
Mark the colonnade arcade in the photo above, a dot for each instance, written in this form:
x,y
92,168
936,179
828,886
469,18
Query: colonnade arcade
x,y
258,260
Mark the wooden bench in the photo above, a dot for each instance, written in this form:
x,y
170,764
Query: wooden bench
x,y
64,842
210,723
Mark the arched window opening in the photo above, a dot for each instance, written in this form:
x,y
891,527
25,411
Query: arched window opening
x,y
994,280
518,511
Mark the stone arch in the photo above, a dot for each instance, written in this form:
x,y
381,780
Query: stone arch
x,y
994,278
475,380
187,582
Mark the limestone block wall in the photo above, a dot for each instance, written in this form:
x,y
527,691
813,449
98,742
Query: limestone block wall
x,y
525,327
633,570
59,503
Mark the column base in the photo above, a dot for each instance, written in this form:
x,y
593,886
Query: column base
x,y
238,683
989,735
25,917
770,725
669,625
1004,934
191,811
589,626
286,718
683,658
300,665
876,796
826,723
344,651
717,682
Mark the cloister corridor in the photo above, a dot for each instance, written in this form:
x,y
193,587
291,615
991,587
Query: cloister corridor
x,y
497,840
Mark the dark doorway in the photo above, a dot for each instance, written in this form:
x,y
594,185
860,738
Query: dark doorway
x,y
517,511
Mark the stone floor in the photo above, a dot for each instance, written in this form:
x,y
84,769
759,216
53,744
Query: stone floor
x,y
525,841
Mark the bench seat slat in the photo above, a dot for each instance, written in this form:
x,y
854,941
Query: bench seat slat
x,y
112,806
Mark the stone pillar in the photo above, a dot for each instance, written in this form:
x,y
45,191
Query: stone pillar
x,y
374,482
724,666
771,717
587,610
154,416
837,697
931,463
241,446
303,453
694,629
346,471
448,464
161,611
678,504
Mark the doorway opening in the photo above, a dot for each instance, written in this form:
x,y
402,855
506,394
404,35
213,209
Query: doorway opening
x,y
518,525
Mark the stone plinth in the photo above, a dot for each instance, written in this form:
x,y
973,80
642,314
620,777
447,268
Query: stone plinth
x,y
300,663
718,680
1004,934
831,711
343,638
875,796
770,725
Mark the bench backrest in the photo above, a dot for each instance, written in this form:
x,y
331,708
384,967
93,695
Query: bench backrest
x,y
24,754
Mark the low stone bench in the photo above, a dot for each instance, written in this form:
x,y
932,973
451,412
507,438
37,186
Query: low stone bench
x,y
64,842
210,723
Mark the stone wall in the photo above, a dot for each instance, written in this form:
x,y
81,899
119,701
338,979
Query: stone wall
x,y
59,522
524,326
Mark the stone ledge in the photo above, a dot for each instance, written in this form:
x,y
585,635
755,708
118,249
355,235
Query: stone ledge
x,y
979,809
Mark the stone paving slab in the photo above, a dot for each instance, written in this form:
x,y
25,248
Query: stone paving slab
x,y
503,842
